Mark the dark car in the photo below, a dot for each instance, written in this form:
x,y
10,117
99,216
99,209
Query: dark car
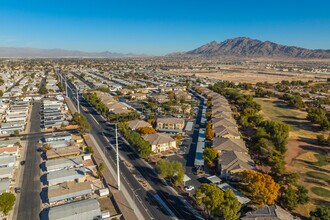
x,y
23,162
17,190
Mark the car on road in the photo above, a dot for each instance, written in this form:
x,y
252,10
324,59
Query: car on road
x,y
23,162
189,188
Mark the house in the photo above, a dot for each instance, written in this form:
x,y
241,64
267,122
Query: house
x,y
227,132
83,210
63,163
138,96
68,190
6,172
170,123
135,124
61,176
182,95
272,212
9,150
160,98
227,144
221,114
62,152
7,161
181,109
160,142
4,185
228,122
62,136
164,89
230,162
126,92
118,108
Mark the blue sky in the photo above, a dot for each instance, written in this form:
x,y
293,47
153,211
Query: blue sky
x,y
159,27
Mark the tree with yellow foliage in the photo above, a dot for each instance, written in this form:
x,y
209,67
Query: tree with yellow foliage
x,y
209,133
146,130
260,187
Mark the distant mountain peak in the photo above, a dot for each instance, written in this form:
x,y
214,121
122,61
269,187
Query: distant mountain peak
x,y
248,47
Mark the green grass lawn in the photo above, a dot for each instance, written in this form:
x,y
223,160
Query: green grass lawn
x,y
318,175
278,110
322,160
321,191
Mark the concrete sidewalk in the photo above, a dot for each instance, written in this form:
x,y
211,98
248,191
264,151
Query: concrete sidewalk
x,y
109,174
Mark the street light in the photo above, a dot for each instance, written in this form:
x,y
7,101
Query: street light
x,y
77,91
118,174
117,156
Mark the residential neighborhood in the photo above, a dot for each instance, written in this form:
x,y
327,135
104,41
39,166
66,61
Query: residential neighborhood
x,y
127,139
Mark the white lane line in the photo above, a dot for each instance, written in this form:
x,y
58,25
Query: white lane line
x,y
165,206
94,119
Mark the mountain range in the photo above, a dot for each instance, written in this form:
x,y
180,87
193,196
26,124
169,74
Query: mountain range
x,y
247,47
25,52
235,47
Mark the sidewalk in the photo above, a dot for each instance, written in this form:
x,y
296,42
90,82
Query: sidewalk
x,y
119,196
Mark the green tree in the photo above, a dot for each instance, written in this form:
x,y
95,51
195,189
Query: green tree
x,y
173,170
7,201
320,213
218,204
43,90
171,95
230,207
289,199
1,93
296,101
89,150
302,195
16,133
100,170
81,121
279,134
209,155
319,116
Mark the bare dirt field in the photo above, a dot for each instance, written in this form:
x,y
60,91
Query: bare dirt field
x,y
253,76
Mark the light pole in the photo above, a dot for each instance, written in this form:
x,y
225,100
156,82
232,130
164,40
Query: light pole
x,y
77,91
118,172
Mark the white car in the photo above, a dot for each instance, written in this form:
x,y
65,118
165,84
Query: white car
x,y
189,188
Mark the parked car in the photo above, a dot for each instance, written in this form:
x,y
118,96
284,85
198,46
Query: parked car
x,y
17,190
189,188
23,162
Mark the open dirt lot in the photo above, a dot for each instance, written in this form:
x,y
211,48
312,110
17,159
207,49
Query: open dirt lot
x,y
252,75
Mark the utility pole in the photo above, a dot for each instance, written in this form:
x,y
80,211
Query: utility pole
x,y
118,173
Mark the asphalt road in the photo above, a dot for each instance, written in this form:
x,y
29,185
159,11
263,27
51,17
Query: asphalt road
x,y
188,159
30,203
103,132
